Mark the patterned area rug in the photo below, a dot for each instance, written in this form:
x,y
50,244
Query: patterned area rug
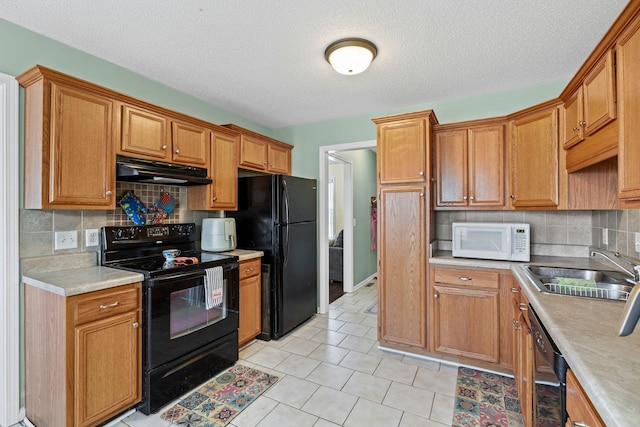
x,y
486,399
221,399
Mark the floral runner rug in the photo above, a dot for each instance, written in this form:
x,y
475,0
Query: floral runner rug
x,y
220,400
487,399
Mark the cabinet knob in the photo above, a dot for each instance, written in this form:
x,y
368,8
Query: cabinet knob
x,y
513,196
464,197
270,164
214,199
177,151
135,325
517,328
583,123
575,128
248,270
472,198
514,321
421,173
164,147
436,296
264,163
421,194
108,193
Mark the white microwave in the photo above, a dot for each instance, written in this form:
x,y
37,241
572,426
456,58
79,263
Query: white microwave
x,y
500,241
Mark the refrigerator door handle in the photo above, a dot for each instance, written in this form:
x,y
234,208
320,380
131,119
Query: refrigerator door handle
x,y
285,246
285,194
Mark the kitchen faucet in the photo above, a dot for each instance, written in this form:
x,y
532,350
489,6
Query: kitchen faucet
x,y
634,271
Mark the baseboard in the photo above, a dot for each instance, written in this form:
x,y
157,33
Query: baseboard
x,y
365,281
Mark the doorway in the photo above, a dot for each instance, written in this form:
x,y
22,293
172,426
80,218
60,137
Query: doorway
x,y
323,246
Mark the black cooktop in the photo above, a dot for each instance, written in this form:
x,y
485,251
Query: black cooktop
x,y
187,261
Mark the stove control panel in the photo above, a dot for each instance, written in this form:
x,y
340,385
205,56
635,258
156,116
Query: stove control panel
x,y
148,234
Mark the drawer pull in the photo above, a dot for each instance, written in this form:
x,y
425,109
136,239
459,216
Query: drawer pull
x,y
579,424
115,304
515,290
249,270
466,279
523,306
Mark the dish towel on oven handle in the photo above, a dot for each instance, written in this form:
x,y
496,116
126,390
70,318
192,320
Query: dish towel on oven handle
x,y
213,287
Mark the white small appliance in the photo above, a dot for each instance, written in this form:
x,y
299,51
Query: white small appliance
x,y
500,241
218,234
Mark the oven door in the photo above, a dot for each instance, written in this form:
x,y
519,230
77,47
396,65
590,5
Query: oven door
x,y
177,320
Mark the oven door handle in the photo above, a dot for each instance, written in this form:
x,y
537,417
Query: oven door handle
x,y
178,276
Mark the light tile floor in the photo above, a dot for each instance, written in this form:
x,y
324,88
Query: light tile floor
x,y
333,374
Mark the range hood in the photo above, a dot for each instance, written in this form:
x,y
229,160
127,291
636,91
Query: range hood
x,y
153,172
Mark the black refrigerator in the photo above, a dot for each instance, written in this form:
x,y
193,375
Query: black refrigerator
x,y
277,215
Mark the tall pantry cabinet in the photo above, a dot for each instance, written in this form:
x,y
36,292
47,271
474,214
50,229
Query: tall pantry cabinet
x,y
405,225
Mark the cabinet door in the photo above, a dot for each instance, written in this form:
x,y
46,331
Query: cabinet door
x,y
253,153
190,144
486,167
527,376
599,95
451,168
107,367
534,160
279,159
144,134
628,69
402,265
82,164
466,322
250,315
573,119
224,171
402,152
579,407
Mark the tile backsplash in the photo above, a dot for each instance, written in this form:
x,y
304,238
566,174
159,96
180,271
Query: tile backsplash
x,y
621,227
37,227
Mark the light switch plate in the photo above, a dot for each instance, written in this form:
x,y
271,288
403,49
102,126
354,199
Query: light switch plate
x,y
66,240
91,237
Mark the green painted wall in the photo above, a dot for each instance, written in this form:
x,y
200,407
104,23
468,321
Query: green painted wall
x,y
364,187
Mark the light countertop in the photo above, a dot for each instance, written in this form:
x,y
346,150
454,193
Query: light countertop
x,y
245,254
81,280
586,332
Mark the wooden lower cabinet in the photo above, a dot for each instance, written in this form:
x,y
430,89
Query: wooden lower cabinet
x,y
82,355
523,355
250,301
579,408
465,314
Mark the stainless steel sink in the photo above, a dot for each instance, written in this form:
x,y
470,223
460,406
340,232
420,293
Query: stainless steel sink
x,y
610,285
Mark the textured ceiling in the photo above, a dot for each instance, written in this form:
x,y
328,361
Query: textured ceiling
x,y
264,60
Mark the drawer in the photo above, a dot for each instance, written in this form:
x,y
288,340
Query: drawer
x,y
485,279
101,304
249,268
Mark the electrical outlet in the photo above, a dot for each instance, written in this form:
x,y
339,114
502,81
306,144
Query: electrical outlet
x,y
91,237
66,240
637,242
605,236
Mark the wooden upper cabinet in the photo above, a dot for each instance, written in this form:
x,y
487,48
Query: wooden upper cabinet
x,y
534,160
222,193
155,136
253,153
628,70
69,144
144,133
190,144
573,119
279,159
600,94
470,167
401,152
261,153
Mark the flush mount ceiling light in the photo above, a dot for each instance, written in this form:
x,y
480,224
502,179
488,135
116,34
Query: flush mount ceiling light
x,y
350,56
